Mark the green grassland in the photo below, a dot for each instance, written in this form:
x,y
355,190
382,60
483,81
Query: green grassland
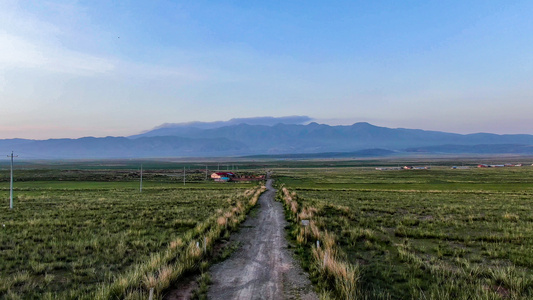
x,y
72,232
421,234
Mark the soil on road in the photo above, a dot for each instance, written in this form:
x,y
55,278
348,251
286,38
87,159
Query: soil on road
x,y
262,267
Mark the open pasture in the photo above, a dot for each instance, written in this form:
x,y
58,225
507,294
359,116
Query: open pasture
x,y
419,234
68,238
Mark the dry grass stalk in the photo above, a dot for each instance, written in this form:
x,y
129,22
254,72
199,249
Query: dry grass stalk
x,y
149,281
314,230
194,251
164,278
301,239
294,207
328,239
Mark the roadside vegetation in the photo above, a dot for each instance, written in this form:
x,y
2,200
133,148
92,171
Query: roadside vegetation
x,y
413,234
93,235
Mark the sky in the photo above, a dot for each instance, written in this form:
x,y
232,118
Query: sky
x,y
70,69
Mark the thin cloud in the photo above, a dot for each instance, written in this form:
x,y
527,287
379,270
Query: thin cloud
x,y
16,52
28,42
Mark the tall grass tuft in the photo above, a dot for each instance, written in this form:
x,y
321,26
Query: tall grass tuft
x,y
342,276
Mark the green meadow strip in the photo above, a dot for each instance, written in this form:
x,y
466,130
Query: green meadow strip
x,y
111,244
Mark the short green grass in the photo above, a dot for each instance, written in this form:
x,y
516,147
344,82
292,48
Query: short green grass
x,y
427,234
68,237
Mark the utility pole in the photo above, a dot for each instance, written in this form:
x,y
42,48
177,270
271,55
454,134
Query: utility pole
x,y
11,182
141,186
206,170
183,175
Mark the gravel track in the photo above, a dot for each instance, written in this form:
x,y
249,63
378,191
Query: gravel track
x,y
263,267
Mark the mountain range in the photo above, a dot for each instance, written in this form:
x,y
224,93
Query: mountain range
x,y
279,137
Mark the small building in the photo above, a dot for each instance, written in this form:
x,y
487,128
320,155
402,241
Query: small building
x,y
421,168
222,176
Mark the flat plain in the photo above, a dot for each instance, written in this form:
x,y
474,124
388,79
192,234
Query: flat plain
x,y
92,234
414,234
86,232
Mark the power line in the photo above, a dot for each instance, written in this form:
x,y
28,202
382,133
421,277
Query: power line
x,y
11,182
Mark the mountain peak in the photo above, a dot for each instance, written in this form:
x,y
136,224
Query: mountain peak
x,y
363,124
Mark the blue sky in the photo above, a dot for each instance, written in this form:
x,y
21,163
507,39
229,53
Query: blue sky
x,y
99,68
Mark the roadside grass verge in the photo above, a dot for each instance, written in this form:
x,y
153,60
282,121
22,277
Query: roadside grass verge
x,y
444,241
185,254
326,264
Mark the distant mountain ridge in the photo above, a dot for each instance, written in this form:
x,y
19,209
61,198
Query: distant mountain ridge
x,y
193,127
314,137
271,136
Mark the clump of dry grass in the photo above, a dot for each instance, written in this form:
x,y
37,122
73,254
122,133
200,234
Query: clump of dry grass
x,y
511,217
222,221
344,275
301,238
256,195
313,228
294,207
164,278
326,259
307,213
194,250
177,243
150,281
249,192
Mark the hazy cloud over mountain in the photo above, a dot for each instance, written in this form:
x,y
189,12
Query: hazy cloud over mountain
x,y
236,121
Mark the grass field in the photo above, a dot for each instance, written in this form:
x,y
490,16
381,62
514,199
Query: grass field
x,y
92,234
415,234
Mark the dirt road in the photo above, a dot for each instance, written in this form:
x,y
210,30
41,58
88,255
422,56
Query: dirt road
x,y
263,267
